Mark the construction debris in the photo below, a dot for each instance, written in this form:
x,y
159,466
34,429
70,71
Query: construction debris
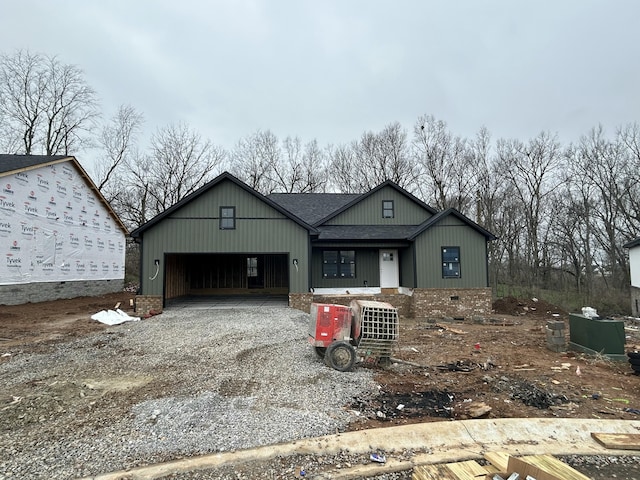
x,y
502,467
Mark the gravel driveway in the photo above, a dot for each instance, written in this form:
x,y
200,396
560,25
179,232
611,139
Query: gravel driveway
x,y
183,383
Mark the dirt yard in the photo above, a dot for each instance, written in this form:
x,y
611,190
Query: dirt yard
x,y
498,368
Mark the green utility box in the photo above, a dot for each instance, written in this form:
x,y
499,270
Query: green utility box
x,y
597,335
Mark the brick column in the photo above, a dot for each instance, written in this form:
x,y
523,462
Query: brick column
x,y
145,303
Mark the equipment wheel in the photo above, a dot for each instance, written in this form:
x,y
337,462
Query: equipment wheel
x,y
320,351
341,356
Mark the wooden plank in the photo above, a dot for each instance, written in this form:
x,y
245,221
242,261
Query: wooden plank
x,y
491,469
432,472
620,441
544,467
469,470
498,459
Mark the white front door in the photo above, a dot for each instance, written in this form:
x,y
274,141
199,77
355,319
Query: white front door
x,y
389,277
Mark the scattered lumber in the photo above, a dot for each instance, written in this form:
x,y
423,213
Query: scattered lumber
x,y
499,459
451,329
539,467
544,467
432,472
619,441
469,470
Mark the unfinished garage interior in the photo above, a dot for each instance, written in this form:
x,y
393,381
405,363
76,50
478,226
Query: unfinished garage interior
x,y
230,274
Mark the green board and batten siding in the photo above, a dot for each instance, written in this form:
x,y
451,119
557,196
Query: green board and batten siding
x,y
451,232
369,211
195,228
407,267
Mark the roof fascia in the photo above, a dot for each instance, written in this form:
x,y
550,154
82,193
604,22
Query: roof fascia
x,y
445,213
632,243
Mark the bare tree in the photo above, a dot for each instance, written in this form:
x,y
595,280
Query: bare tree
x,y
445,165
345,173
45,104
252,158
268,165
301,169
601,165
180,161
134,202
22,93
531,170
372,160
629,138
117,141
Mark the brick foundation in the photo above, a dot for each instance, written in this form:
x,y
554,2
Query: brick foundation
x,y
424,303
401,302
462,303
301,301
145,303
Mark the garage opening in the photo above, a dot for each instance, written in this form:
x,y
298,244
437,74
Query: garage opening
x,y
226,274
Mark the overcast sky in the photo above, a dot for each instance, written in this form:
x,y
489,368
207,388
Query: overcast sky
x,y
333,69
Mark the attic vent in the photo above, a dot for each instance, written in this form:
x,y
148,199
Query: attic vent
x,y
455,298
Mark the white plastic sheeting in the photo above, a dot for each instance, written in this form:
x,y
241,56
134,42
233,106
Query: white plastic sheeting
x,y
113,317
53,227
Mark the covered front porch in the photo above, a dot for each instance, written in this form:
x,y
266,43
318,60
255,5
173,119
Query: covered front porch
x,y
363,269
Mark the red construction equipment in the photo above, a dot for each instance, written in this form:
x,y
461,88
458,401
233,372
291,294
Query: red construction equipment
x,y
341,334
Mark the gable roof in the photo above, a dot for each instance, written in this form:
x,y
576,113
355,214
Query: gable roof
x,y
312,207
632,243
451,212
226,176
364,196
12,164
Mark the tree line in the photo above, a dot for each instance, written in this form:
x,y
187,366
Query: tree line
x,y
561,213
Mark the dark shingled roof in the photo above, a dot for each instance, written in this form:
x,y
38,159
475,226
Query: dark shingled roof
x,y
365,232
312,207
10,163
632,243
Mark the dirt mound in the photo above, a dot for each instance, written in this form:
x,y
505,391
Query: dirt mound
x,y
525,306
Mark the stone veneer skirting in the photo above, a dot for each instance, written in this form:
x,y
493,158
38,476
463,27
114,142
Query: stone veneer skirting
x,y
35,292
462,303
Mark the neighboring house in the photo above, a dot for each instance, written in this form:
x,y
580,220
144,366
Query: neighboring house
x,y
228,238
634,264
59,238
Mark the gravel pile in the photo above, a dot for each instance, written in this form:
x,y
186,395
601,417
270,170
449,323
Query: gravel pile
x,y
184,383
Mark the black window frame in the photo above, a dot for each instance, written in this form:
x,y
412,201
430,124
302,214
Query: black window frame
x,y
449,261
386,209
343,269
224,218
